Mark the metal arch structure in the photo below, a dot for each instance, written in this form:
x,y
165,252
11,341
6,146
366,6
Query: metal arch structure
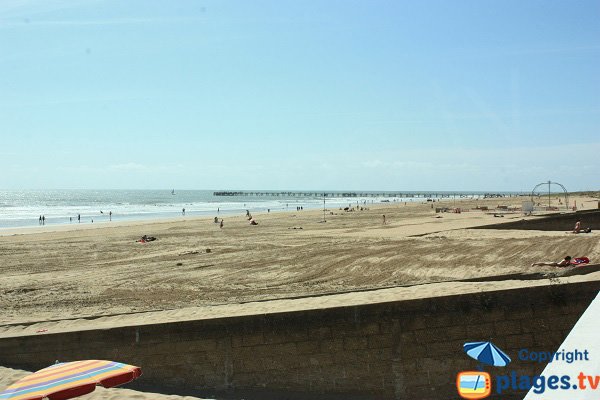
x,y
550,183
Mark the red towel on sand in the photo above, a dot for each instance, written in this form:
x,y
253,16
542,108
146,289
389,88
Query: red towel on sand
x,y
580,260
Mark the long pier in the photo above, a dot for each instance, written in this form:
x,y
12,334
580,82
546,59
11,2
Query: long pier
x,y
316,194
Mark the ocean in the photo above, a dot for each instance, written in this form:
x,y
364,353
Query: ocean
x,y
23,208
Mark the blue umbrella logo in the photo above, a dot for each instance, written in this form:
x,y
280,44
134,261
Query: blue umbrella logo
x,y
487,353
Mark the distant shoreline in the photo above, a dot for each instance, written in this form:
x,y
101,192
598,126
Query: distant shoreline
x,y
35,208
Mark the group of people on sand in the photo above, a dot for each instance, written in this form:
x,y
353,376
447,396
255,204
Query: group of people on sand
x,y
251,220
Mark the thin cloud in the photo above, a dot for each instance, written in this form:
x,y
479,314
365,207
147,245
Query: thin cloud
x,y
373,164
127,167
136,167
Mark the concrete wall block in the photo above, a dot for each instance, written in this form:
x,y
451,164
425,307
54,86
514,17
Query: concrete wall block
x,y
458,332
444,320
383,341
412,351
563,322
354,359
407,336
284,336
207,345
515,342
332,345
548,340
308,347
413,322
440,365
526,312
491,315
360,387
371,328
512,327
426,336
253,339
427,392
353,343
159,348
480,332
445,349
321,361
249,365
536,325
319,332
280,364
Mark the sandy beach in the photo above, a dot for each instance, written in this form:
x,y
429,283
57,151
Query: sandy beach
x,y
72,272
63,278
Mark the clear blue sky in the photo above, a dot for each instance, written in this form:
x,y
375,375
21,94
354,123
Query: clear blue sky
x,y
371,95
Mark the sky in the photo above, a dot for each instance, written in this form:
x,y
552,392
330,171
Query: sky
x,y
495,95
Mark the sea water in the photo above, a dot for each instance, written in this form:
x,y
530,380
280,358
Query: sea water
x,y
23,208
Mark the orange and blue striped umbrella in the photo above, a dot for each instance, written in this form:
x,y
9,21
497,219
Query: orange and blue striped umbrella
x,y
68,380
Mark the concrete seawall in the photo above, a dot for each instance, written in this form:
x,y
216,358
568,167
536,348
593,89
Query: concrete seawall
x,y
395,350
560,222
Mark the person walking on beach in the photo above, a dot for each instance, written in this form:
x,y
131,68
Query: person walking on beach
x,y
79,218
110,215
40,221
43,220
183,211
383,219
221,225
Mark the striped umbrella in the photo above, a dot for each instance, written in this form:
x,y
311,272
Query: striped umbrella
x,y
486,353
67,380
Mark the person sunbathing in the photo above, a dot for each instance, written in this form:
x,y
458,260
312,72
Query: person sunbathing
x,y
564,263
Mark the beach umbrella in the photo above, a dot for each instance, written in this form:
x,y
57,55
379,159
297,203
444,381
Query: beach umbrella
x,y
486,353
72,379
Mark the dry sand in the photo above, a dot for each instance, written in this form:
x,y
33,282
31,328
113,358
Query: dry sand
x,y
52,277
66,272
